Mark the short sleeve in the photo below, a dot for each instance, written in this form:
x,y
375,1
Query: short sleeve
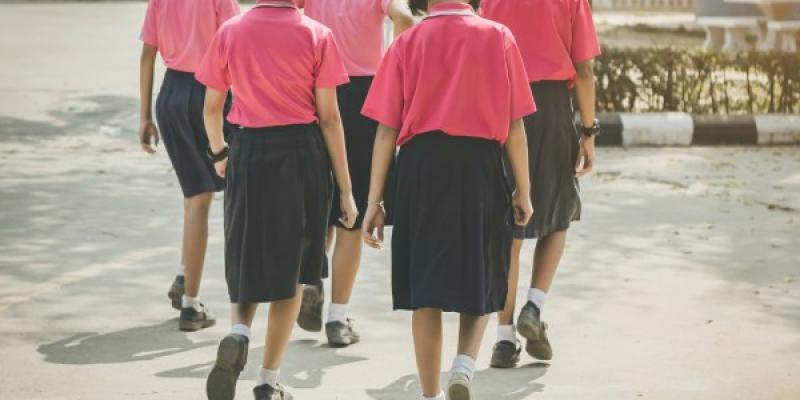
x,y
226,9
585,45
522,103
213,69
385,6
385,99
329,70
149,33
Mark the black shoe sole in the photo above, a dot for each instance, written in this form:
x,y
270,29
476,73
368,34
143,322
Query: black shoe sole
x,y
341,344
221,383
310,316
503,364
538,346
175,295
193,326
458,392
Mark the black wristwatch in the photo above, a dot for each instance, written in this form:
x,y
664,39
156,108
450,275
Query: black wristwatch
x,y
217,157
593,130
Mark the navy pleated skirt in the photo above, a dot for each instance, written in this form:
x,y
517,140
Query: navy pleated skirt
x,y
359,136
552,152
452,230
179,113
277,203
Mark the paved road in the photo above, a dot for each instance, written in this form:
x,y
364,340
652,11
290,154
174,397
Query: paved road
x,y
680,283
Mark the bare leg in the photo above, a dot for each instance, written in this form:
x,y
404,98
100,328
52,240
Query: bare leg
x,y
470,334
426,327
506,315
282,315
195,239
243,313
346,260
329,238
546,258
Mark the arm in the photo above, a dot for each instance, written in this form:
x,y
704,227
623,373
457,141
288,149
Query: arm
x,y
382,157
148,133
585,90
332,132
212,116
401,16
517,151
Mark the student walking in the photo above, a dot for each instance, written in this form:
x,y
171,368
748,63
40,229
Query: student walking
x,y
181,32
284,68
450,92
558,43
357,26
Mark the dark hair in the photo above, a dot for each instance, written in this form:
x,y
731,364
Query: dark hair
x,y
419,7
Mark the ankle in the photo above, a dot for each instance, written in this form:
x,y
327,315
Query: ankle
x,y
191,302
267,377
337,312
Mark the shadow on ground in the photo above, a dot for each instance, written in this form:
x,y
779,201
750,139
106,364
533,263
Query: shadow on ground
x,y
304,366
129,345
508,384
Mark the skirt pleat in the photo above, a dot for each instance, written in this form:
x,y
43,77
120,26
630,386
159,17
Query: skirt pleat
x,y
179,113
276,210
552,151
452,234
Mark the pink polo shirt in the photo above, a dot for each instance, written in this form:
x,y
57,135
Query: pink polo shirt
x,y
358,28
182,29
553,35
456,73
272,58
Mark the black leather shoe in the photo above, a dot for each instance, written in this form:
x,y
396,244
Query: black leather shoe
x,y
530,326
341,334
193,320
176,291
267,392
505,354
231,359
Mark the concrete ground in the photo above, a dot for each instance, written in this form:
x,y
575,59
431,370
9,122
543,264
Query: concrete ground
x,y
679,283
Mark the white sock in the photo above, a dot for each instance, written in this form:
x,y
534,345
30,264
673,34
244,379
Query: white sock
x,y
268,376
193,302
464,364
506,333
241,330
537,297
180,271
439,396
337,312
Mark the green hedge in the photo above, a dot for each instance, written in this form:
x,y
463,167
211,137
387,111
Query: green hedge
x,y
697,81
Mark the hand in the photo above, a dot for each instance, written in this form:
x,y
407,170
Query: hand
x,y
349,210
374,220
585,161
221,167
523,208
148,136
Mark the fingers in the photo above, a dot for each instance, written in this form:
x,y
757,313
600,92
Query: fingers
x,y
579,160
221,167
147,148
370,239
588,164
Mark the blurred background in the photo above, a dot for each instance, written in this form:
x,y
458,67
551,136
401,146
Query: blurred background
x,y
679,282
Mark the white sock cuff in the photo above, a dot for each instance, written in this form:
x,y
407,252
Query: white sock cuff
x,y
180,271
537,297
464,364
267,376
439,396
193,302
506,333
241,330
337,312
